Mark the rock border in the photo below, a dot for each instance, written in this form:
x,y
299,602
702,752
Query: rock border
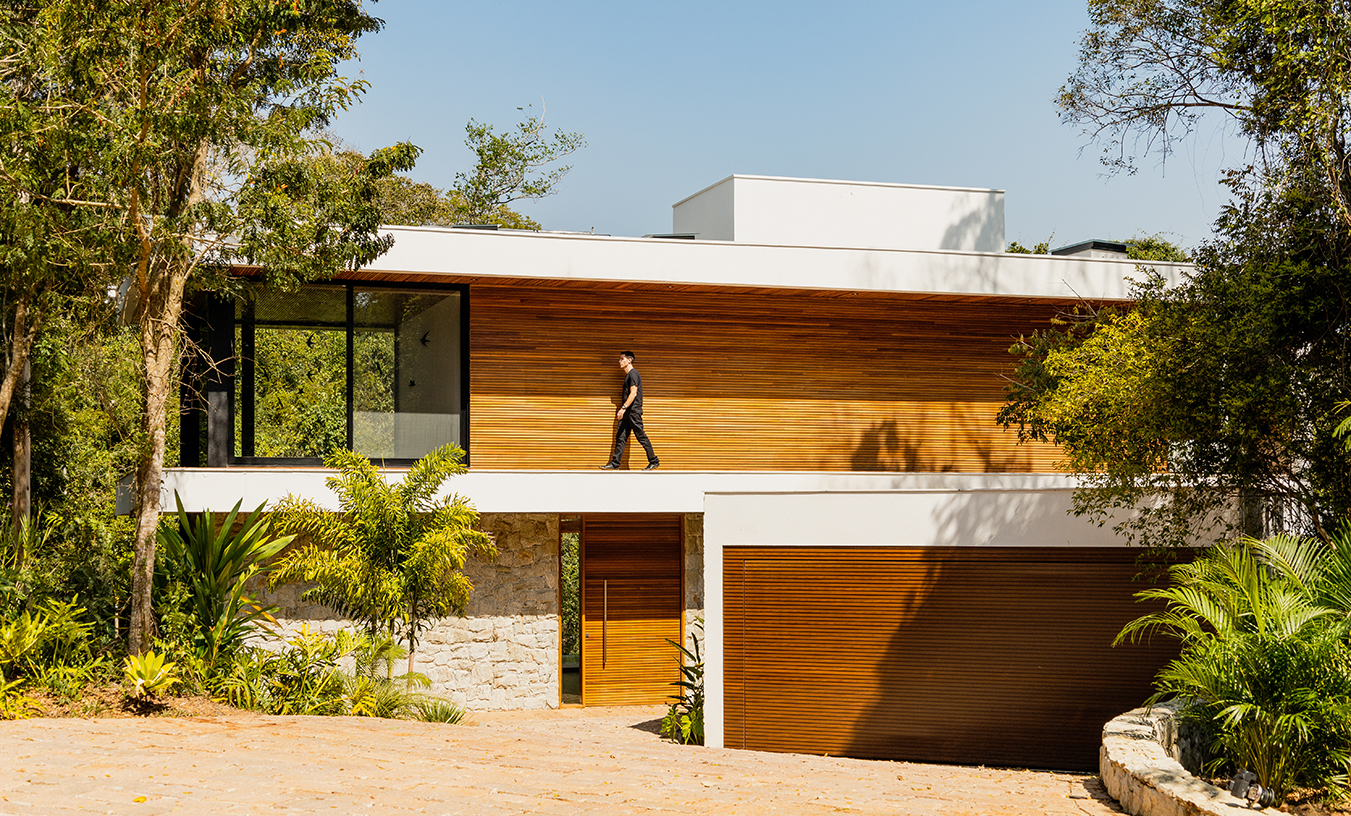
x,y
1140,768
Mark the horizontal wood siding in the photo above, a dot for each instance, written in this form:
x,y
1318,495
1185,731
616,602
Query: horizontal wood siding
x,y
749,380
632,600
997,656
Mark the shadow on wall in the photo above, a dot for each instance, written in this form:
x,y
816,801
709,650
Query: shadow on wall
x,y
1008,661
981,227
914,443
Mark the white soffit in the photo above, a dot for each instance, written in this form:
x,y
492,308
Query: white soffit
x,y
513,254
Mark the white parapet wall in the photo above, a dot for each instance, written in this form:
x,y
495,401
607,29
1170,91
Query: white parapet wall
x,y
830,212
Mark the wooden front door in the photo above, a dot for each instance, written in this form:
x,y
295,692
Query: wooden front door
x,y
632,600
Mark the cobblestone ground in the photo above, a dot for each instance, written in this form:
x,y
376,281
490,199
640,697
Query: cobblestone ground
x,y
575,761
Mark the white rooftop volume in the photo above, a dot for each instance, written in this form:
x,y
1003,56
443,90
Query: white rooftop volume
x,y
828,213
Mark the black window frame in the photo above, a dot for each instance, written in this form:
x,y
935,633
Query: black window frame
x,y
238,370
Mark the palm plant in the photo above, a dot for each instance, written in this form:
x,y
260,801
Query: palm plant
x,y
1264,661
391,556
218,563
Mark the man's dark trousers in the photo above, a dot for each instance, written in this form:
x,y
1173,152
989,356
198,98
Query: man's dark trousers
x,y
634,423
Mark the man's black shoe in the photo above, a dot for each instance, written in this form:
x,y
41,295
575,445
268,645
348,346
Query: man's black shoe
x,y
652,465
609,466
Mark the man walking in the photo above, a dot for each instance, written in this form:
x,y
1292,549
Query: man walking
x,y
630,415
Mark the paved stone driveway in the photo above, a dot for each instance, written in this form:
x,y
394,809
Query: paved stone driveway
x,y
575,761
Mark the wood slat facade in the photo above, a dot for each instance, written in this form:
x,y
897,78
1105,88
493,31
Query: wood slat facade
x,y
969,655
761,380
632,602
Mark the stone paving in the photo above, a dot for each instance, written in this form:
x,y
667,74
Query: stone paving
x,y
574,761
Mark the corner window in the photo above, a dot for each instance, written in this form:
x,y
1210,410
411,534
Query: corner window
x,y
379,370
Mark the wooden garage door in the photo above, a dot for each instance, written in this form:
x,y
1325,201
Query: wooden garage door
x,y
631,603
997,656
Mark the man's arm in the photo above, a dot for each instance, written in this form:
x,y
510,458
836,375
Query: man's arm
x,y
633,395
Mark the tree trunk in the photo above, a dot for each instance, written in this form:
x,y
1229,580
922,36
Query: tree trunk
x,y
161,309
23,459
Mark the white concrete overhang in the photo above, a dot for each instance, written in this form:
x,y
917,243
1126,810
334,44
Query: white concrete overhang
x,y
518,254
857,508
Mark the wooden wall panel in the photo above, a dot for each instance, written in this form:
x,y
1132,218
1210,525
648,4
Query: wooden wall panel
x,y
973,655
748,380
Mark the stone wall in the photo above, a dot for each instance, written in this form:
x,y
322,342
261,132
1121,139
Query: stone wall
x,y
694,575
503,654
1140,768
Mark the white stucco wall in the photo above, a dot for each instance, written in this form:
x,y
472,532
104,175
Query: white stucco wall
x,y
976,515
830,213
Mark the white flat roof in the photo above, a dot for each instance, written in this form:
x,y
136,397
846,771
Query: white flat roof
x,y
518,254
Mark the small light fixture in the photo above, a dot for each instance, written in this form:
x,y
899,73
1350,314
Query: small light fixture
x,y
1244,785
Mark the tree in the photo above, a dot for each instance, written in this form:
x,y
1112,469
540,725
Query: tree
x,y
1210,408
507,163
391,557
198,120
1150,69
410,203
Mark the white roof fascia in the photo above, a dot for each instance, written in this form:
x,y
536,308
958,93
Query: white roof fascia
x,y
579,491
444,251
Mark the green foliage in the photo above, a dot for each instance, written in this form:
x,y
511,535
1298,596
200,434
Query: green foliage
x,y
440,711
306,676
149,675
14,704
217,564
1042,248
1217,394
1265,663
413,203
1155,248
507,165
571,613
684,722
1150,69
391,557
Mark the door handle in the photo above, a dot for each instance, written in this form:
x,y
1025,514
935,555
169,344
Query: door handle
x,y
604,622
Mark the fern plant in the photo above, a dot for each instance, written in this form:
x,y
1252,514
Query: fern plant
x,y
391,556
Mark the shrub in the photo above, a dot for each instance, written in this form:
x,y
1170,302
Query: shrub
x,y
149,674
217,564
1264,661
307,676
684,722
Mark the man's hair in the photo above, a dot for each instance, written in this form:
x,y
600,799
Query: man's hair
x,y
630,355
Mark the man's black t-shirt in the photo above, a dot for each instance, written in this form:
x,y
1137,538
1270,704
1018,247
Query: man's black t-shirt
x,y
630,381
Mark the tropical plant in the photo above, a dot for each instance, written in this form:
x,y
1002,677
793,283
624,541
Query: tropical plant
x,y
684,722
218,564
149,674
391,556
437,710
1264,663
14,704
307,676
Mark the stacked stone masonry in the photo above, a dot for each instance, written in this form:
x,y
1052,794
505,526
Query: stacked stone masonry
x,y
504,652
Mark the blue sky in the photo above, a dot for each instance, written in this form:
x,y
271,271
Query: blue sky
x,y
674,96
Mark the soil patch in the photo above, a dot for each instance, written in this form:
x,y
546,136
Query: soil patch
x,y
112,701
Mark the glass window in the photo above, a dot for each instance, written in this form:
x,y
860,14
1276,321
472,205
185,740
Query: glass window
x,y
327,367
406,372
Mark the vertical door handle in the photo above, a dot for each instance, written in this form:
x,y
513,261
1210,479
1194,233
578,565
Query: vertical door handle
x,y
604,622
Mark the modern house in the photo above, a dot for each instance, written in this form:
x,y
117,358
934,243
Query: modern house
x,y
882,571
